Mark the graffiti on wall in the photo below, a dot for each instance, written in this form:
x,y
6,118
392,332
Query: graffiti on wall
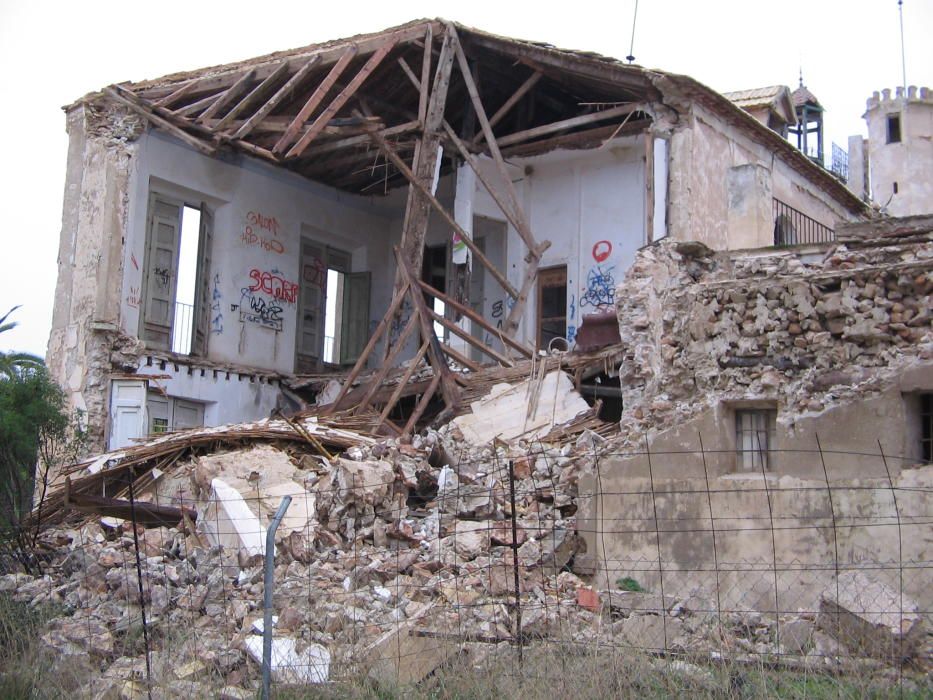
x,y
262,231
256,309
314,273
601,251
274,284
217,314
600,288
133,299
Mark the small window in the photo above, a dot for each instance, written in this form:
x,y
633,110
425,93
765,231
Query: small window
x,y
894,128
754,439
926,427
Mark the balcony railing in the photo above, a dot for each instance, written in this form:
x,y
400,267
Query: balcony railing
x,y
181,328
793,227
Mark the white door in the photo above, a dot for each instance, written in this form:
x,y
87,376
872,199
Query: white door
x,y
127,411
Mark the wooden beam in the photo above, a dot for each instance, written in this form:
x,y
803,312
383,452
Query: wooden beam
x,y
233,92
426,193
331,146
129,100
425,73
524,230
596,137
397,347
473,316
253,97
571,123
463,360
417,206
518,308
435,354
198,106
364,356
170,99
339,101
422,405
315,100
482,347
402,382
273,102
510,103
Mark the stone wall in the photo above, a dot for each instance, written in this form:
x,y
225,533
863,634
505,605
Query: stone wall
x,y
815,333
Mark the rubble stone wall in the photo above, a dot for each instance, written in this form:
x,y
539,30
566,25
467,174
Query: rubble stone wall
x,y
837,341
834,339
84,339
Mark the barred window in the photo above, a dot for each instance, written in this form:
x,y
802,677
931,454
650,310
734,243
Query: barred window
x,y
754,439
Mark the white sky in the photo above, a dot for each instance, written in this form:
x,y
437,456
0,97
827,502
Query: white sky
x,y
52,53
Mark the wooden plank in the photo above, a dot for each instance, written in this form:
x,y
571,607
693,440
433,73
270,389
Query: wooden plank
x,y
571,123
596,137
350,141
426,193
473,316
233,92
172,98
479,345
524,230
435,354
198,106
364,356
510,103
417,206
315,100
463,360
339,101
253,97
273,102
518,308
422,405
403,381
130,101
425,73
397,347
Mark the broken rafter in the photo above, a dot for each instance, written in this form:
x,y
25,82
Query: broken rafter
x,y
315,100
254,96
376,381
233,92
426,193
457,330
339,101
167,101
283,92
402,383
510,103
544,130
130,100
476,318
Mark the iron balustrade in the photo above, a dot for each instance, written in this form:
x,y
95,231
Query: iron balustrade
x,y
181,328
793,227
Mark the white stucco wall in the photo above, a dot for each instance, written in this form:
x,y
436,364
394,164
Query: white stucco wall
x,y
239,189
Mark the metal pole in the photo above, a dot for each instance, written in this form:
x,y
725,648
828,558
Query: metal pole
x,y
269,566
517,582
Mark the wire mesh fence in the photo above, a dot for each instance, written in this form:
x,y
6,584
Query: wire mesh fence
x,y
531,567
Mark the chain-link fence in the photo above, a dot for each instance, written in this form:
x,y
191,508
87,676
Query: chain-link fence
x,y
498,569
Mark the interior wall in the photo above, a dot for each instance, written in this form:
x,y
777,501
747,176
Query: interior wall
x,y
259,215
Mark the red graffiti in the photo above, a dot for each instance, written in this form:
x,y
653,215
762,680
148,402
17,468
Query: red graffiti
x,y
602,250
315,273
268,223
270,244
133,260
273,284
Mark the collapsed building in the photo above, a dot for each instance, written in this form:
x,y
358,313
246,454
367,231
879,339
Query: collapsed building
x,y
410,257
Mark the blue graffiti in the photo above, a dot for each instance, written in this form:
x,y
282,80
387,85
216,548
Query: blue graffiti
x,y
217,316
600,287
571,334
573,306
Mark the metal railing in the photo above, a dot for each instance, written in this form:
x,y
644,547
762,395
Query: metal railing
x,y
182,327
793,227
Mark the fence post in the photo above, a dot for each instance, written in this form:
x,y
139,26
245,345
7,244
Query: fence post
x,y
139,581
517,582
267,584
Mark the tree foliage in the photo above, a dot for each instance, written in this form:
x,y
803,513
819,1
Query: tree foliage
x,y
35,428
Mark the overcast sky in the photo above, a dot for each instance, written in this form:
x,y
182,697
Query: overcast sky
x,y
53,53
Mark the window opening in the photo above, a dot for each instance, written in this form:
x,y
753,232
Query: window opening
x,y
434,272
894,128
333,312
185,289
552,305
754,439
926,427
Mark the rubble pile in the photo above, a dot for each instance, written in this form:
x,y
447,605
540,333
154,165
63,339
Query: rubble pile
x,y
810,329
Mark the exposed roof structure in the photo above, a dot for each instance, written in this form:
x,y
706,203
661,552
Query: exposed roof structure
x,y
328,111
